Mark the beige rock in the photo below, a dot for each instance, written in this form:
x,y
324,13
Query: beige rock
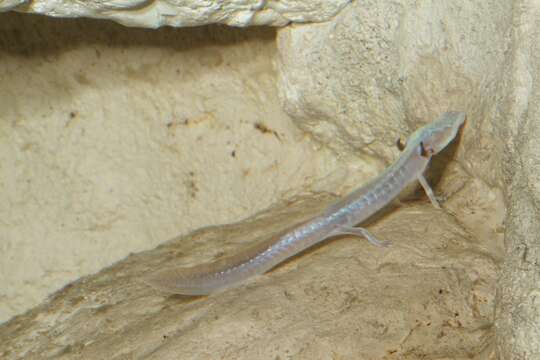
x,y
380,68
114,140
156,13
430,295
518,128
375,72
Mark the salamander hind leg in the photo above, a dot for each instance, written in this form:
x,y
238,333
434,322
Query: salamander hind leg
x,y
359,231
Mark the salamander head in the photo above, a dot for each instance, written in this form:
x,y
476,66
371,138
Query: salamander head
x,y
436,135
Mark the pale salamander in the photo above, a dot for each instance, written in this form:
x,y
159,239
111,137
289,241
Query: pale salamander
x,y
339,218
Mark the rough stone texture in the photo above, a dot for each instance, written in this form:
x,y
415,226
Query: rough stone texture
x,y
380,68
375,72
114,140
518,313
429,296
406,61
156,13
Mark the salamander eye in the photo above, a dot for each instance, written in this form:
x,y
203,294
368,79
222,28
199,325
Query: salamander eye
x,y
400,145
425,151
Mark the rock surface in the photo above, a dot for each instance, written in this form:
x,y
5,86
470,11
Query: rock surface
x,y
156,13
518,125
404,60
430,295
403,64
374,72
114,140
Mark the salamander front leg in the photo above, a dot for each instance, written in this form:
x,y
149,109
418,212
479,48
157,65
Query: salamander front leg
x,y
358,231
429,191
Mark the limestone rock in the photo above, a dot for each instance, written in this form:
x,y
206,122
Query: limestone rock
x,y
429,295
114,140
374,71
380,68
182,13
401,62
518,127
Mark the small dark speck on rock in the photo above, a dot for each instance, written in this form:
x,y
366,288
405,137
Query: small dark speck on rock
x,y
265,129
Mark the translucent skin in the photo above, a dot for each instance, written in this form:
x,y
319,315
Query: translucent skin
x,y
336,219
